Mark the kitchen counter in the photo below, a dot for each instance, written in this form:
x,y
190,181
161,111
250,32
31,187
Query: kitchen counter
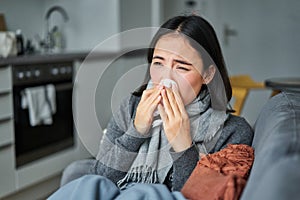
x,y
50,58
63,57
42,58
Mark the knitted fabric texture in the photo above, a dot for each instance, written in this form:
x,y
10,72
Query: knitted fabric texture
x,y
221,175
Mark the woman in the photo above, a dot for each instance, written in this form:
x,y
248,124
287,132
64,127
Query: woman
x,y
181,111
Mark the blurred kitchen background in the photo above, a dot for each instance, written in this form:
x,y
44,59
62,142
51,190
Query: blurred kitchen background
x,y
259,38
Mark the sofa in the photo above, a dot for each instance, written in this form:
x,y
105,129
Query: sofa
x,y
275,174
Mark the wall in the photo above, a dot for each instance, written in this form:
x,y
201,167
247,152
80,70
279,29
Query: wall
x,y
91,21
135,18
26,15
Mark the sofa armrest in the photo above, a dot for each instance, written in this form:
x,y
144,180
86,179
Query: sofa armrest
x,y
277,145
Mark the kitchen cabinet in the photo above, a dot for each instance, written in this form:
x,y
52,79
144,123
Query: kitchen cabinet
x,y
7,158
17,180
7,172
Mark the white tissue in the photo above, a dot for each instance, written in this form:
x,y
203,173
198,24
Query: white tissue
x,y
165,82
168,83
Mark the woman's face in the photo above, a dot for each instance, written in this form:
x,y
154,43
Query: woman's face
x,y
175,59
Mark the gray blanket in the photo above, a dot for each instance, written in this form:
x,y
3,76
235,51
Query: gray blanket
x,y
95,187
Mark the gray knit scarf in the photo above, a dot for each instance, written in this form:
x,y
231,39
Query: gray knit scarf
x,y
154,161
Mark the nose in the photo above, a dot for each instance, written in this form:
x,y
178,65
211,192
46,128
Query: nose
x,y
167,73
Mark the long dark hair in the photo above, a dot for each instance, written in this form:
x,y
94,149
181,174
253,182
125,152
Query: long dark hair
x,y
201,32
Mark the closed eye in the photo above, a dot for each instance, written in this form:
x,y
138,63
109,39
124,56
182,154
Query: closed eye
x,y
183,68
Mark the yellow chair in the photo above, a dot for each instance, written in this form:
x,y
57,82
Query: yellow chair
x,y
241,85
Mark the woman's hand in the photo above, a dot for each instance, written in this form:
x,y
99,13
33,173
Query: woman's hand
x,y
175,120
144,113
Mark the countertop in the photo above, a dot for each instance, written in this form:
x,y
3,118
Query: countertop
x,y
51,58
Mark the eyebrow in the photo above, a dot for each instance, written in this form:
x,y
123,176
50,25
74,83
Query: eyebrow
x,y
158,57
179,61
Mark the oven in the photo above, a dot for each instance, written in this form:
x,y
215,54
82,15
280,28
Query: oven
x,y
38,141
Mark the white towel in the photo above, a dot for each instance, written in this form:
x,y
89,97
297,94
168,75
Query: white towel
x,y
41,104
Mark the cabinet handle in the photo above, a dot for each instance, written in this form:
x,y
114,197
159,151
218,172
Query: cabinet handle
x,y
4,92
4,119
4,146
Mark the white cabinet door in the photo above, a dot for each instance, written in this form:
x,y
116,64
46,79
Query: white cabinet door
x,y
7,153
7,170
5,79
6,132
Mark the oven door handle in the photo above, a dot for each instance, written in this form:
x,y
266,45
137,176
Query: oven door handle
x,y
63,86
